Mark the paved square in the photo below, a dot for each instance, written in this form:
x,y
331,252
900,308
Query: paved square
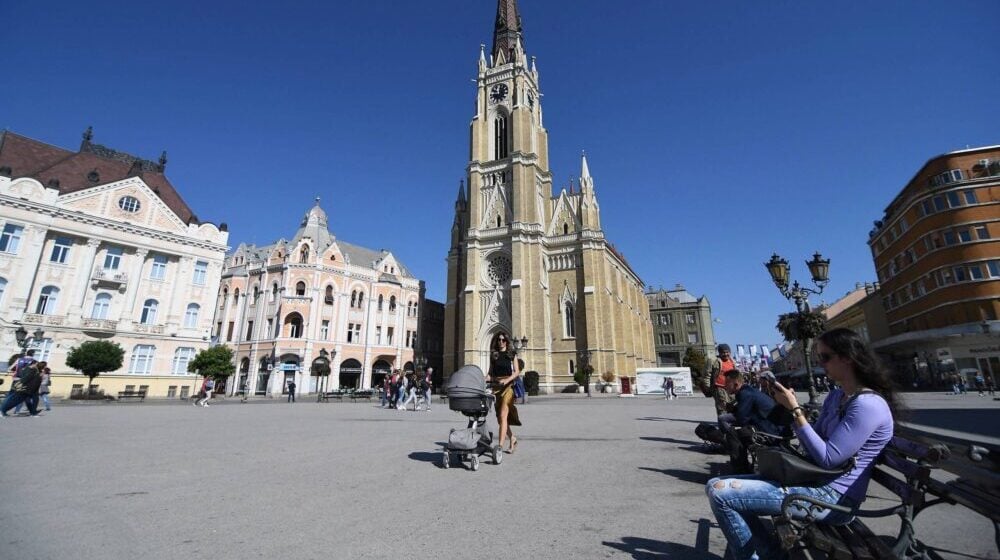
x,y
592,478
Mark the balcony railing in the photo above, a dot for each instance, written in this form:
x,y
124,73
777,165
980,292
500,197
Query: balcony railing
x,y
100,325
109,277
39,319
150,329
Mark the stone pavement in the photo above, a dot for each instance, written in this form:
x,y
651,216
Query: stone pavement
x,y
592,478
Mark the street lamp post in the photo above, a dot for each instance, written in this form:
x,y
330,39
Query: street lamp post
x,y
23,340
321,367
819,269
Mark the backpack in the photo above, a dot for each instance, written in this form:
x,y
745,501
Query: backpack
x,y
209,384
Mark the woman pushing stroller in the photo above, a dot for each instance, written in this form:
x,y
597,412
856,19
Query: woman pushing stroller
x,y
503,372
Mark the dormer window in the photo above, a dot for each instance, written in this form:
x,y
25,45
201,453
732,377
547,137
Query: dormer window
x,y
304,254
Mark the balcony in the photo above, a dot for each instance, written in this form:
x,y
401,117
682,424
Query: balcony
x,y
148,329
38,319
109,278
102,326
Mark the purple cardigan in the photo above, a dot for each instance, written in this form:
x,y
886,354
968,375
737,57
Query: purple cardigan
x,y
862,433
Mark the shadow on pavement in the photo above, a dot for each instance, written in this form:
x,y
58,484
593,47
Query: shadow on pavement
x,y
695,477
671,440
660,419
426,456
649,549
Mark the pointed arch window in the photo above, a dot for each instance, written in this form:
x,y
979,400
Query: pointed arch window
x,y
380,302
500,137
304,254
361,299
565,229
354,298
569,316
236,297
274,292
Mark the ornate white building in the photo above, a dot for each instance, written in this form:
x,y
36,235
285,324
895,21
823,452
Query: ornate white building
x,y
97,244
281,304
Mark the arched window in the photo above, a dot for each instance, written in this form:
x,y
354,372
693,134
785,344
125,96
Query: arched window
x,y
300,289
47,301
380,302
149,312
244,365
102,304
565,229
354,298
3,289
191,316
500,137
274,292
304,254
361,299
256,294
570,318
499,221
293,325
328,298
236,297
392,304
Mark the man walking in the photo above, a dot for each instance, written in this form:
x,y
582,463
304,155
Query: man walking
x,y
427,384
291,391
714,383
206,389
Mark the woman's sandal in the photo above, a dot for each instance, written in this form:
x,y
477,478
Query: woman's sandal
x,y
513,445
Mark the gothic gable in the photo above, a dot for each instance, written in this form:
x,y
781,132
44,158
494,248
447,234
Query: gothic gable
x,y
564,214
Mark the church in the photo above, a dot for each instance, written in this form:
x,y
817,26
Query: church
x,y
525,261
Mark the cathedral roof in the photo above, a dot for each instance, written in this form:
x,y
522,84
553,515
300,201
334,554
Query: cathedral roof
x,y
507,30
91,166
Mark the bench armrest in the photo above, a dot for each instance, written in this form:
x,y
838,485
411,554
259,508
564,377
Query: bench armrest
x,y
817,504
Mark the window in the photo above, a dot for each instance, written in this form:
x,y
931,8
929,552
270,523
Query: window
x,y
10,239
953,200
113,258
354,298
921,289
975,272
159,269
982,232
3,289
102,304
328,297
378,336
572,367
950,238
939,203
274,292
142,359
304,254
42,348
149,312
692,338
47,301
300,289
354,332
60,250
960,275
294,322
671,338
256,294
380,302
911,256
927,207
361,299
392,304
994,268
229,331
570,320
903,226
182,357
689,318
128,204
970,197
191,316
324,330
388,336
965,235
249,335
499,137
270,328
200,273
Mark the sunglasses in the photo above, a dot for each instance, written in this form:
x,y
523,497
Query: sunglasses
x,y
824,357
501,340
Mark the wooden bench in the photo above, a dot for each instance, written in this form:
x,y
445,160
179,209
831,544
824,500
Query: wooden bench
x,y
362,394
123,395
904,468
332,395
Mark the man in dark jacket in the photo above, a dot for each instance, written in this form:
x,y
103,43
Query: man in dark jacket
x,y
750,408
30,380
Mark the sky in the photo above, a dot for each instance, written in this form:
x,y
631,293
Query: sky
x,y
717,132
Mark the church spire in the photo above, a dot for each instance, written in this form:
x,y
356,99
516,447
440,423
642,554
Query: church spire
x,y
507,31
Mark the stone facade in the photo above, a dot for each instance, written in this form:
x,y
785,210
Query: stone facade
x,y
280,304
97,244
525,262
680,320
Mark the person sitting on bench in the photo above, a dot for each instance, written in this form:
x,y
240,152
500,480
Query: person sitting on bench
x,y
856,422
750,408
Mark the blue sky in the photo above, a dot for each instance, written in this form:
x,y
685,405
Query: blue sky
x,y
717,132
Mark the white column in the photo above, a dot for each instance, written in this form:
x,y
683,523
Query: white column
x,y
79,297
174,312
30,254
134,278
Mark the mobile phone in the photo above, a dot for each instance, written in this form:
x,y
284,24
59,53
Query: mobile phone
x,y
769,376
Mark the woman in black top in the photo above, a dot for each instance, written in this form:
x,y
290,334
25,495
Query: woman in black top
x,y
503,372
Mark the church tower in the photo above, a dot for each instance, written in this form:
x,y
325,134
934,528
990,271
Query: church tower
x,y
508,227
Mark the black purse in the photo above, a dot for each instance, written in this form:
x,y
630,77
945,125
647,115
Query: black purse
x,y
790,469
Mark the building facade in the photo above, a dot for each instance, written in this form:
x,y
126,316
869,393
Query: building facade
x,y
430,339
937,257
281,304
97,244
680,321
524,262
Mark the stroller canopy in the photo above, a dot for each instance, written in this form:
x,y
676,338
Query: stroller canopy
x,y
468,381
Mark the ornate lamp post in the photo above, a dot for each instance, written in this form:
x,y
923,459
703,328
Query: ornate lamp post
x,y
521,344
23,340
819,269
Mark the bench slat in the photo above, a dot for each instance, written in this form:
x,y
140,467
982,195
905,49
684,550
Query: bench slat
x,y
893,484
876,544
857,545
826,538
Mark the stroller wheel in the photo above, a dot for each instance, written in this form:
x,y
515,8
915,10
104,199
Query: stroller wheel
x,y
446,459
497,455
475,462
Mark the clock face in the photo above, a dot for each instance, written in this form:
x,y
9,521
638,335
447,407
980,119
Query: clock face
x,y
498,93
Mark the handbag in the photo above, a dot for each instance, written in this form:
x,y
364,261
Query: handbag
x,y
518,389
18,386
791,469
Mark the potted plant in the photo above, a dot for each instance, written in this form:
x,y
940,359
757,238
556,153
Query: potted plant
x,y
609,381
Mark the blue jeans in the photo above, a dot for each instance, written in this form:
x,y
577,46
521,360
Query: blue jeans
x,y
739,501
15,399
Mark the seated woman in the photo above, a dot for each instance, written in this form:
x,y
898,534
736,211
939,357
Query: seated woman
x,y
856,421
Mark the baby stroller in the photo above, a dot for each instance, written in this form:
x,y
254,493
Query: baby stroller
x,y
467,394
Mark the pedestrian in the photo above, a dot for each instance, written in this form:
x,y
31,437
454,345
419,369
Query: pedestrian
x,y
44,390
504,370
291,391
206,391
713,383
980,383
961,383
428,383
394,389
856,422
954,384
411,393
24,388
990,385
404,384
33,398
666,388
384,397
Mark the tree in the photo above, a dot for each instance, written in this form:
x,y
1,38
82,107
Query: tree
x,y
216,362
95,357
696,360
